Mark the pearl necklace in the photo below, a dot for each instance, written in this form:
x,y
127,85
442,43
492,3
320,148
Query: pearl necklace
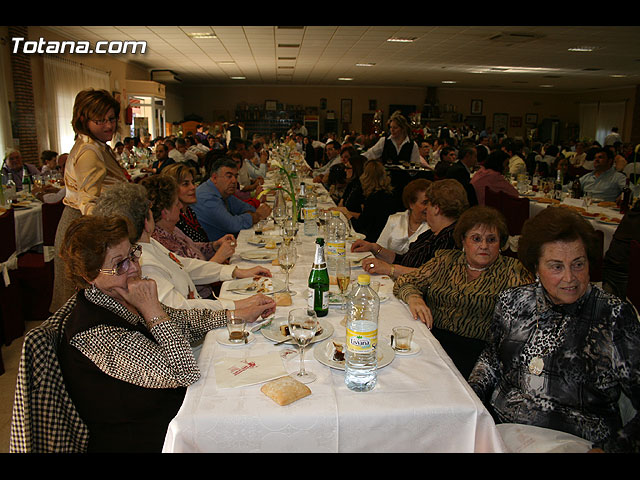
x,y
474,269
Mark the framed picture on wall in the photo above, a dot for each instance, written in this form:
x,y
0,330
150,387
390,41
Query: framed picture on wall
x,y
531,118
476,107
516,122
500,121
270,105
345,112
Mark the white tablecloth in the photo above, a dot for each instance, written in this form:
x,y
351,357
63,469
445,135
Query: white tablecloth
x,y
420,403
28,225
608,230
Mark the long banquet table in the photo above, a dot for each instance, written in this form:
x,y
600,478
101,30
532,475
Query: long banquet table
x,y
421,403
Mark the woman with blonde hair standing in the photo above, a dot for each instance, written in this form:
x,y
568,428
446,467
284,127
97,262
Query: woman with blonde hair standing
x,y
90,169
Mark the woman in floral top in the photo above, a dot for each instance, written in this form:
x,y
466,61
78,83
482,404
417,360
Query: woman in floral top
x,y
562,350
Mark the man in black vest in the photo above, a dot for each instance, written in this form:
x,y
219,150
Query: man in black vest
x,y
461,171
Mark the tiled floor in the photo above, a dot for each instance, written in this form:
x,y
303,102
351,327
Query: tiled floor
x,y
11,359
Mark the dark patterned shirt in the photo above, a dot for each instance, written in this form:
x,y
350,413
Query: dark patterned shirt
x,y
423,248
190,226
591,353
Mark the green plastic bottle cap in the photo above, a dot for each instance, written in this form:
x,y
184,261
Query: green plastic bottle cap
x,y
363,279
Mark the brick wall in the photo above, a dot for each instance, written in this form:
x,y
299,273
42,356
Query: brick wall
x,y
25,105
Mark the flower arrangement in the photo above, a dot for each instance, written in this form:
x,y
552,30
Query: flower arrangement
x,y
289,191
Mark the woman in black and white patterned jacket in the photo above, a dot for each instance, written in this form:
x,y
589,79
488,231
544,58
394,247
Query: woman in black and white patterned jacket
x,y
125,357
561,349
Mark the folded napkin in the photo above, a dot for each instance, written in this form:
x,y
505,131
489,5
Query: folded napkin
x,y
240,372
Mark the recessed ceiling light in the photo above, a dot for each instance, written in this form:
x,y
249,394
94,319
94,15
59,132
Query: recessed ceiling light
x,y
449,81
290,27
618,76
365,64
226,63
288,45
202,35
285,67
286,58
238,78
546,86
401,40
346,79
582,48
591,69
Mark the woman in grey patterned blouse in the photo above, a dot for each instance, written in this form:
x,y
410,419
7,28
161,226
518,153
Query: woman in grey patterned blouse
x,y
562,350
126,358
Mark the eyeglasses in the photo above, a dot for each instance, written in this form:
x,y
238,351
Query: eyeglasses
x,y
108,120
477,239
123,266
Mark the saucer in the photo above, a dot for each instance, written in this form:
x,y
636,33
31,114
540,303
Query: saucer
x,y
415,348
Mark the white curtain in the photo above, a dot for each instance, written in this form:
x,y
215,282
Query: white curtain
x,y
609,115
63,80
6,137
597,119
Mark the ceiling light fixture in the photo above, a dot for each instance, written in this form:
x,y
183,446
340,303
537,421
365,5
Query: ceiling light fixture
x,y
365,64
582,49
287,58
202,35
288,45
346,79
238,78
618,76
401,40
546,86
449,81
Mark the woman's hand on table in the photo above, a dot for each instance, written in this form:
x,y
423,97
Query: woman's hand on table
x,y
252,272
254,307
361,245
224,252
377,266
420,311
221,240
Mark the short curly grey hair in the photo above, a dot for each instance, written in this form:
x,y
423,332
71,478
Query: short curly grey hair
x,y
129,200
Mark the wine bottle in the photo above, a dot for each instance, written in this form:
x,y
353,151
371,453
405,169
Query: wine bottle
x,y
318,299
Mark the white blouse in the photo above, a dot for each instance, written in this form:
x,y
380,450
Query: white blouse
x,y
395,235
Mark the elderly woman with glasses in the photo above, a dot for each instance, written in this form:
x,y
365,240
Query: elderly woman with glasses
x,y
125,356
177,277
91,169
454,293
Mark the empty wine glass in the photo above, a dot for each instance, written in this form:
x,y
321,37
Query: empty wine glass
x,y
343,277
588,200
279,212
287,255
290,226
303,325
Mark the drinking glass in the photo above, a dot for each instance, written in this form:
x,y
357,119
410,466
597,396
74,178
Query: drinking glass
x,y
303,325
343,277
588,200
287,255
279,211
290,228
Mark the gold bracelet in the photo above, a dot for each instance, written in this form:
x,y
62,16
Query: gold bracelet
x,y
378,251
156,320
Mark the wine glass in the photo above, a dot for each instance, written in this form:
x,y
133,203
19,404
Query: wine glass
x,y
279,211
588,200
287,255
343,277
290,226
303,325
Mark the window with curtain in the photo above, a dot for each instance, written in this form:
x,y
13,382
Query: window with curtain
x,y
597,119
63,80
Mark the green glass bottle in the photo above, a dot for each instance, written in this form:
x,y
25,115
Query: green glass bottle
x,y
318,298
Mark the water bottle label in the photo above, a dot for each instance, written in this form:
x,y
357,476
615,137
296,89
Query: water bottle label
x,y
309,213
336,248
362,342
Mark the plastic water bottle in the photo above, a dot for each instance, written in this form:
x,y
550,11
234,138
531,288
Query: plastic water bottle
x,y
361,361
310,212
336,241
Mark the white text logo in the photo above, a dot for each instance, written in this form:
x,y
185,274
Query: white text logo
x,y
68,46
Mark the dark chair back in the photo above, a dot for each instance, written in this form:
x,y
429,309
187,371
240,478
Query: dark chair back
x,y
11,316
516,212
492,199
595,271
7,234
51,213
633,283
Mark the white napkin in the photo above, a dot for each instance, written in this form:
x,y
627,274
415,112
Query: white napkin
x,y
240,372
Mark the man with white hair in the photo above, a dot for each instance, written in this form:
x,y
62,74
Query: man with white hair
x,y
14,169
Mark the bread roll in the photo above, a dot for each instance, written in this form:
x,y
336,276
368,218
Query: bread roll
x,y
285,390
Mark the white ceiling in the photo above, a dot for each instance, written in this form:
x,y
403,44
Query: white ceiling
x,y
500,57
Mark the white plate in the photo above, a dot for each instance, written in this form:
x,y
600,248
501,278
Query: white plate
x,y
261,255
222,337
239,286
324,354
415,348
355,236
261,240
272,332
607,223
